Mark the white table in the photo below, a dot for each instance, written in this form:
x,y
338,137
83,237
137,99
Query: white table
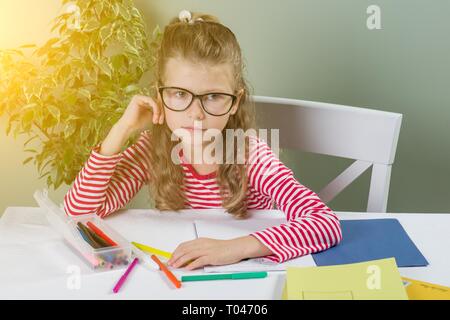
x,y
35,263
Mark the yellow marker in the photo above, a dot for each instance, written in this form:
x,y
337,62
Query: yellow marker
x,y
148,249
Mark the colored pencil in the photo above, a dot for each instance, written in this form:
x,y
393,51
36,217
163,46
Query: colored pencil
x,y
100,233
87,236
99,239
167,272
94,237
149,249
125,275
227,276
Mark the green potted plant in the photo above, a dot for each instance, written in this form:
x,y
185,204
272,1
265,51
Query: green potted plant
x,y
66,94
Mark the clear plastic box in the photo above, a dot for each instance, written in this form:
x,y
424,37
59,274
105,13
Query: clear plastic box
x,y
99,259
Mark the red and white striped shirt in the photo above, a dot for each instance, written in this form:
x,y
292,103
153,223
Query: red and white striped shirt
x,y
107,183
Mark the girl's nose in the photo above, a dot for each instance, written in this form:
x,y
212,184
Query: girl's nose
x,y
195,111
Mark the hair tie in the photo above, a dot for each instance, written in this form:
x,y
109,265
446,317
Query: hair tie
x,y
185,16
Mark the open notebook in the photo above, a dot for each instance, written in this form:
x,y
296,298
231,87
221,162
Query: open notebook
x,y
166,232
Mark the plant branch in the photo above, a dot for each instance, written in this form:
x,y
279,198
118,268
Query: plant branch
x,y
42,131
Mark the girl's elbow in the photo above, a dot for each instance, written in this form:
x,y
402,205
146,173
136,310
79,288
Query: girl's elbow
x,y
70,211
336,229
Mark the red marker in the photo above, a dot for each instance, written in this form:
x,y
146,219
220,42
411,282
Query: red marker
x,y
100,233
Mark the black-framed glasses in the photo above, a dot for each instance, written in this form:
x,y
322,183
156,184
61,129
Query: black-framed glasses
x,y
213,103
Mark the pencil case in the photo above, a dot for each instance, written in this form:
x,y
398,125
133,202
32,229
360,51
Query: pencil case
x,y
98,259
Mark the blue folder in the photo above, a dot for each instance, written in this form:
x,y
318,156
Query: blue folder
x,y
372,239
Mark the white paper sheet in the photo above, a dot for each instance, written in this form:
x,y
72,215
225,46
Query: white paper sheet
x,y
237,228
163,231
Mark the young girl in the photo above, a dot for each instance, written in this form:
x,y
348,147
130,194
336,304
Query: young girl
x,y
200,58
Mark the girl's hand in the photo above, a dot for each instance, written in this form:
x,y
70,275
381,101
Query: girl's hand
x,y
140,113
205,251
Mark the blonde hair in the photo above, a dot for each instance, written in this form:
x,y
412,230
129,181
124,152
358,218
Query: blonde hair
x,y
206,40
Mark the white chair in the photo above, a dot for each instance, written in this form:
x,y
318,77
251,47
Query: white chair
x,y
368,136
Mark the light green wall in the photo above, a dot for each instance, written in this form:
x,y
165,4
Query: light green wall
x,y
322,50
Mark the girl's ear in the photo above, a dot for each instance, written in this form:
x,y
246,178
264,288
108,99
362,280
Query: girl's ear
x,y
238,101
158,97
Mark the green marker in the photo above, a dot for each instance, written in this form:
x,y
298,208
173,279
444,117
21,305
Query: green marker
x,y
228,276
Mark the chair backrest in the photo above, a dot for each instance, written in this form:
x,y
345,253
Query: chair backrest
x,y
368,136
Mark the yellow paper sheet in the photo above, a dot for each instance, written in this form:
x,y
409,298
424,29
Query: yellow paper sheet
x,y
419,290
371,280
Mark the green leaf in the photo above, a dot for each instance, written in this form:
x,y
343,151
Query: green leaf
x,y
49,181
106,68
71,98
68,156
29,140
17,131
27,160
117,61
92,53
51,42
85,93
98,8
69,130
135,12
8,127
42,167
132,88
85,131
124,12
28,106
131,49
59,178
65,72
73,117
116,9
28,46
45,48
92,25
27,119
43,175
105,33
56,25
156,32
54,111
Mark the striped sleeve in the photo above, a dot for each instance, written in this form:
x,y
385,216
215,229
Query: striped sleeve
x,y
106,184
310,227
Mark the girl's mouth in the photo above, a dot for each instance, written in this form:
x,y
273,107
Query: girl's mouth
x,y
193,129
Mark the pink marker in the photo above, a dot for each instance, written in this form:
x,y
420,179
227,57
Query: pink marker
x,y
125,275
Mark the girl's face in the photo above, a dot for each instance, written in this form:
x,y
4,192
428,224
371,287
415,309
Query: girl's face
x,y
199,79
